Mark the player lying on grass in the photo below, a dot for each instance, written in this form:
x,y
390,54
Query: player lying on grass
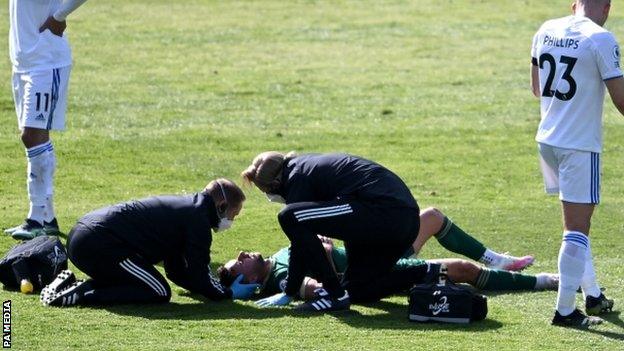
x,y
346,197
117,247
272,272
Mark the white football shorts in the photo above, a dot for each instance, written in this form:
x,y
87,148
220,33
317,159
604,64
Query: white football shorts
x,y
41,98
574,174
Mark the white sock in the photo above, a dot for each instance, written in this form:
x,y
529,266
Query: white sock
x,y
572,256
37,165
589,283
491,258
48,178
546,281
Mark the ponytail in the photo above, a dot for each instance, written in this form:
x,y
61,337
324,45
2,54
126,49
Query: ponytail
x,y
266,168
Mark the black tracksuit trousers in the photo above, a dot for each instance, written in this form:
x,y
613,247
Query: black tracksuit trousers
x,y
118,274
375,237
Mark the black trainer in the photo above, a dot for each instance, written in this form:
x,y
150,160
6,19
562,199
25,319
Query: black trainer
x,y
323,302
576,319
597,305
51,227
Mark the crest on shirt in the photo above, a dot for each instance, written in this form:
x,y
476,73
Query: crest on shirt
x,y
616,52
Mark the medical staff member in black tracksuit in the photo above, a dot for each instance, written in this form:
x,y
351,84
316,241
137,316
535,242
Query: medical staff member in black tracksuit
x,y
117,247
344,197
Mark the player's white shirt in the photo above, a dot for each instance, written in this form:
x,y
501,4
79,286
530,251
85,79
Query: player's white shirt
x,y
30,50
575,57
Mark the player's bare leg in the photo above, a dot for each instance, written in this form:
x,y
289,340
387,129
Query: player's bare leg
x,y
434,223
431,221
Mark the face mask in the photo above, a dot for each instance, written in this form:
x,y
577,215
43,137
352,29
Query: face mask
x,y
224,222
276,198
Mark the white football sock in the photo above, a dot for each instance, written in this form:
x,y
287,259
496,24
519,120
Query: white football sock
x,y
572,256
546,281
37,164
48,179
589,283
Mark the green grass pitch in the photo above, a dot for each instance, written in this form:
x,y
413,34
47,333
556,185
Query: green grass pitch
x,y
166,95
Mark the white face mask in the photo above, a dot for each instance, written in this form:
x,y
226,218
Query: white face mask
x,y
224,222
276,198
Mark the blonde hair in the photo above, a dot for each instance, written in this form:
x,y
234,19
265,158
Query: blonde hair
x,y
266,168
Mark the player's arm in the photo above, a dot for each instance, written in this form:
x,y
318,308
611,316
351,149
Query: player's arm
x,y
615,86
535,86
310,284
197,276
328,246
199,279
175,269
607,54
308,287
67,7
56,23
306,291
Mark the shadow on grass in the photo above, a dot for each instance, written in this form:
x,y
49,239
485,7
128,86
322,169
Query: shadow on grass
x,y
613,318
495,293
394,315
9,290
206,310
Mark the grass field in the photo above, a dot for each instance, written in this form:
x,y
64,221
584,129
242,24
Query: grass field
x,y
167,95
